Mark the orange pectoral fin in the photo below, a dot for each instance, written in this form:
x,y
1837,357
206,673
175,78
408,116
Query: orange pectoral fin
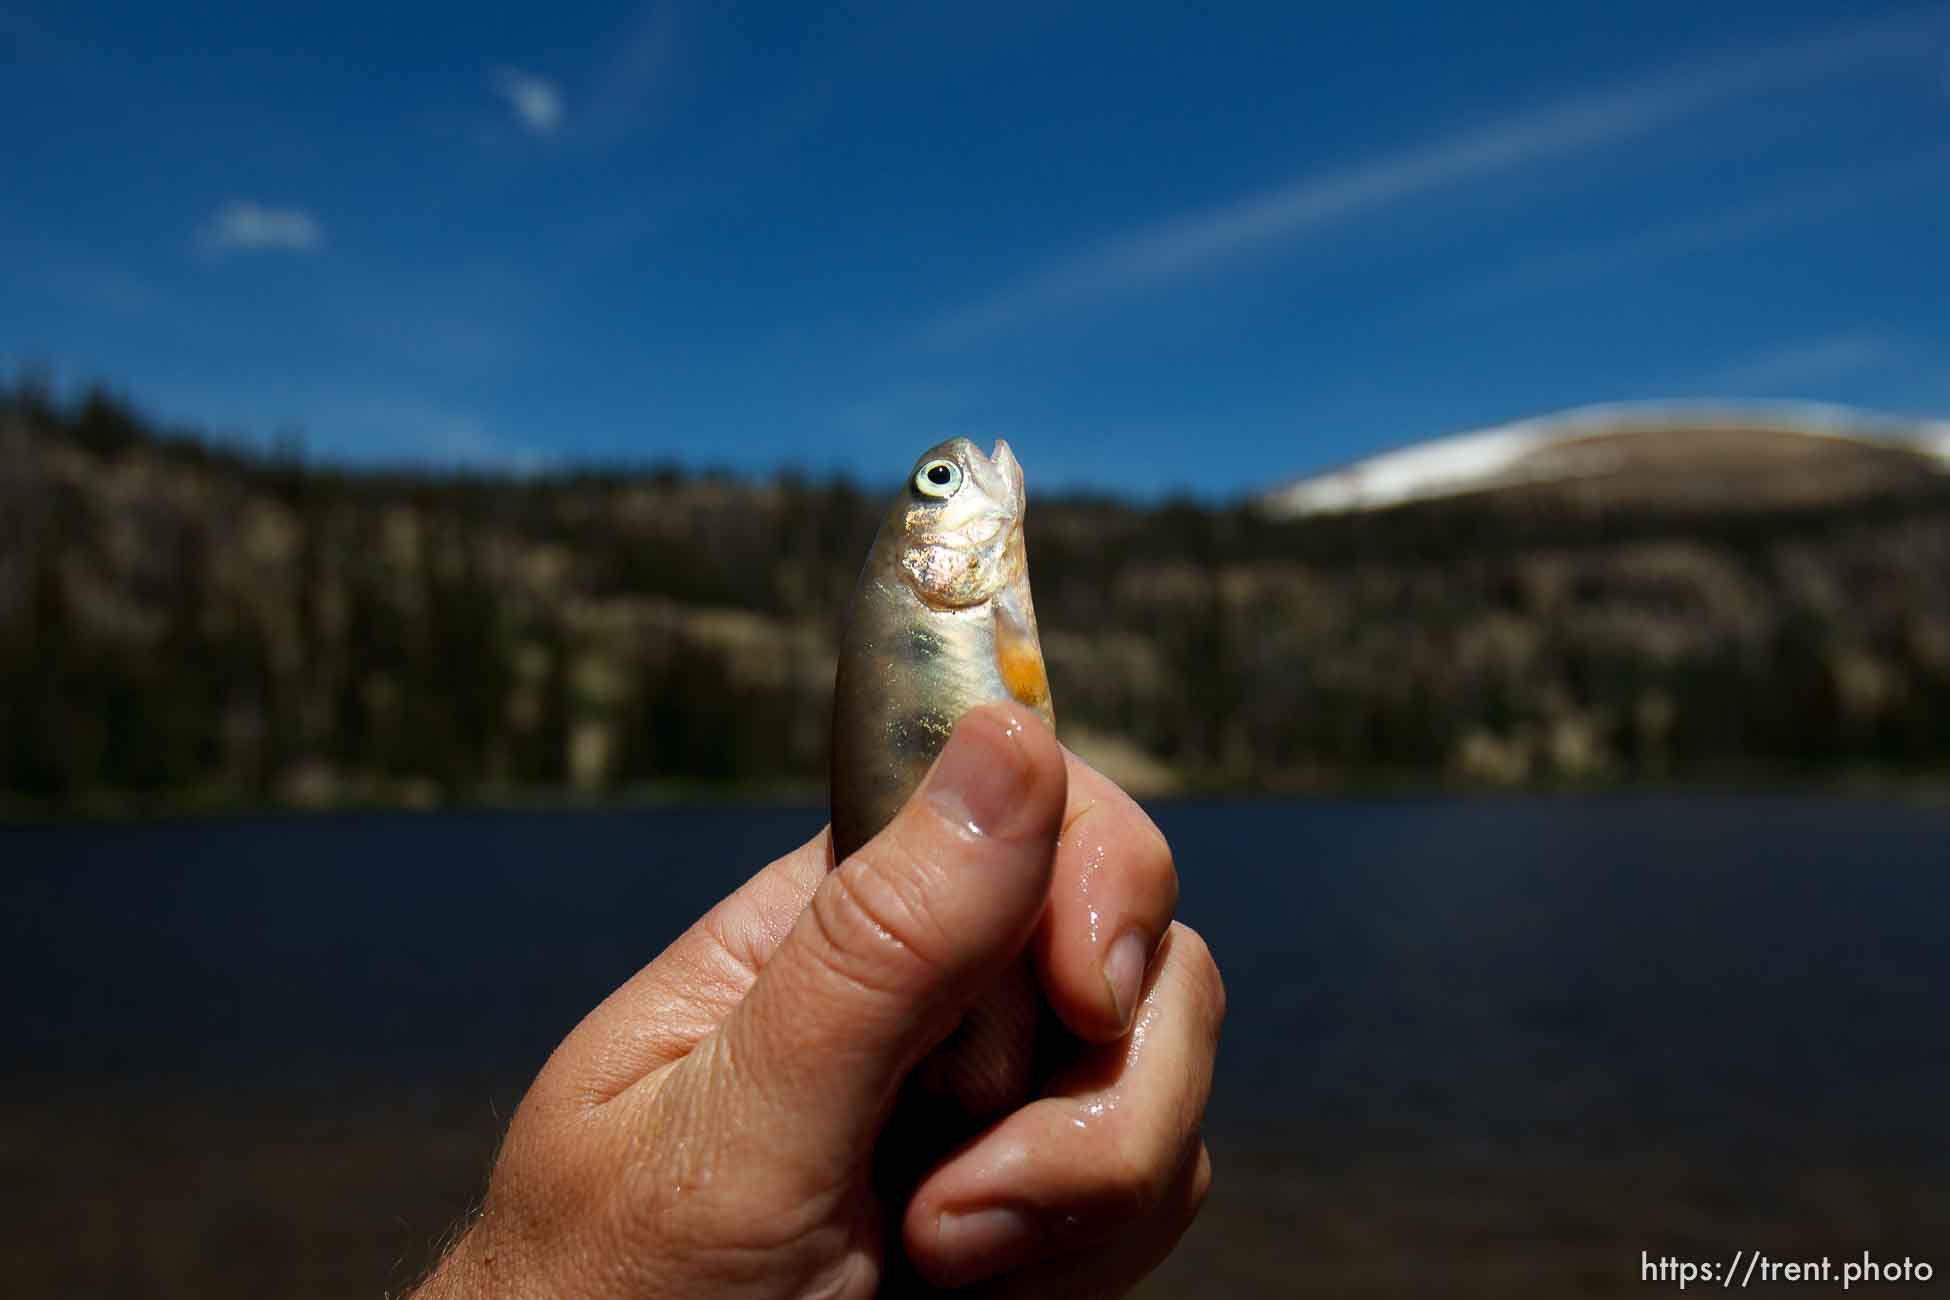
x,y
1022,673
1018,653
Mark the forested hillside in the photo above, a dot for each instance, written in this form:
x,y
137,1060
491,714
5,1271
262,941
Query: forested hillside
x,y
183,625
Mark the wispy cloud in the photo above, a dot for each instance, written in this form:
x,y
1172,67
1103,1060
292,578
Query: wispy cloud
x,y
536,101
1794,368
1805,205
1196,242
251,227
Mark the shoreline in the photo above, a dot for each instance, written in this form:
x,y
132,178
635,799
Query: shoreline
x,y
1927,789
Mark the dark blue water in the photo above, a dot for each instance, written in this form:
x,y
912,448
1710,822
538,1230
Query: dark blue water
x,y
1738,973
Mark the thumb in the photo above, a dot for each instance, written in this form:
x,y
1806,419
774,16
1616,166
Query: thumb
x,y
898,941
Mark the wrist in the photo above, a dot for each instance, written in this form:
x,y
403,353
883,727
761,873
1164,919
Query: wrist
x,y
459,1275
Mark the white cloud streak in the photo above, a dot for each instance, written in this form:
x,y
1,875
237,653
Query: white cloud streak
x,y
1182,246
249,227
536,101
1571,268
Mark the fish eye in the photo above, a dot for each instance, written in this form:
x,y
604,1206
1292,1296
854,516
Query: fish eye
x,y
938,478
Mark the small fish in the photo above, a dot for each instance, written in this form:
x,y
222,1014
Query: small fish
x,y
941,622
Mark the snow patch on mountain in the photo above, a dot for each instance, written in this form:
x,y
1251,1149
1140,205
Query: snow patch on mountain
x,y
1506,455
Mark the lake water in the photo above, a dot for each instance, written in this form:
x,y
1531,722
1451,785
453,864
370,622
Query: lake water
x,y
1718,978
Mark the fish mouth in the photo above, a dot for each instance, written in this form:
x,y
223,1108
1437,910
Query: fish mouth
x,y
999,476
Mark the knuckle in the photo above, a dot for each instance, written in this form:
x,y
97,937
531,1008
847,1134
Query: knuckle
x,y
1130,1176
874,923
904,888
846,942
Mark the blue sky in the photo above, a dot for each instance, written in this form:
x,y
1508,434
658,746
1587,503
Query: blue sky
x,y
1157,247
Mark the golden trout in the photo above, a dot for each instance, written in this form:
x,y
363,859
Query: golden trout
x,y
940,622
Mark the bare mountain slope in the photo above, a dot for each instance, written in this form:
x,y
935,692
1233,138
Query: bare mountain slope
x,y
1686,457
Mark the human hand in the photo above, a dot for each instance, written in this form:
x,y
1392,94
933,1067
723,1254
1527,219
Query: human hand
x,y
709,1130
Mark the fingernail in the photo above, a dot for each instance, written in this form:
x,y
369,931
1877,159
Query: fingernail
x,y
1124,974
979,1242
979,780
